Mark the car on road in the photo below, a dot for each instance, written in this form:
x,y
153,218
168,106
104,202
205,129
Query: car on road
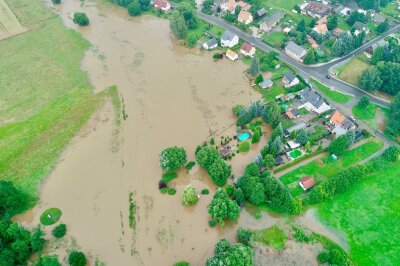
x,y
328,76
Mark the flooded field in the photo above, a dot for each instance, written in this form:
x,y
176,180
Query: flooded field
x,y
172,96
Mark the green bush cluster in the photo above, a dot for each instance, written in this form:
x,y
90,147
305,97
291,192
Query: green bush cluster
x,y
209,158
81,19
59,231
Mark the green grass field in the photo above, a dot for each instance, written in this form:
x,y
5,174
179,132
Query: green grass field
x,y
352,70
29,12
320,169
275,39
46,97
287,7
368,114
368,213
333,94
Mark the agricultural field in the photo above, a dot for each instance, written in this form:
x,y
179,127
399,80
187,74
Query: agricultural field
x,y
368,214
326,167
9,24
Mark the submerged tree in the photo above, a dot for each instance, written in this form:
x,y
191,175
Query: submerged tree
x,y
172,158
253,69
81,19
189,196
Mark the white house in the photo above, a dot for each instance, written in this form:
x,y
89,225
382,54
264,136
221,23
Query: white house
x,y
231,55
312,102
295,51
290,80
228,39
245,17
211,44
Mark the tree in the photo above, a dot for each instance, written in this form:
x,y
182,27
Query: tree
x,y
37,241
178,25
134,8
332,22
370,79
269,161
351,135
257,135
302,137
356,16
377,55
275,147
188,14
310,57
343,45
181,263
252,188
59,231
238,254
219,172
259,79
307,147
301,26
145,4
237,109
244,235
297,8
382,27
172,158
301,38
206,156
189,196
77,258
253,69
339,145
394,114
238,196
222,246
389,73
364,101
313,22
81,19
123,3
51,260
56,2
244,146
222,207
392,154
12,200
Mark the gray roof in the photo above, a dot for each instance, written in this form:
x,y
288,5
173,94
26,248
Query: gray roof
x,y
296,127
261,12
227,36
274,18
266,83
289,76
308,95
359,26
346,124
298,50
379,18
212,42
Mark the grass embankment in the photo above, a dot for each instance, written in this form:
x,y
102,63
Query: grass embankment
x,y
369,115
47,97
352,70
332,94
368,214
326,167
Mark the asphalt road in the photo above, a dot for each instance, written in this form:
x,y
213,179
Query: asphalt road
x,y
317,72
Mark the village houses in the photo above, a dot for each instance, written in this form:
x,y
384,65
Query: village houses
x,y
295,51
228,39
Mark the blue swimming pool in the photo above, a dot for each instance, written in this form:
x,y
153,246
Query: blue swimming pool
x,y
245,135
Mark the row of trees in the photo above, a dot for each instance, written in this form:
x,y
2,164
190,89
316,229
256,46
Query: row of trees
x,y
347,43
341,143
183,20
269,111
346,178
209,158
393,127
383,77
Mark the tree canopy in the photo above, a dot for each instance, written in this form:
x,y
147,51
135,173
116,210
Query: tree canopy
x,y
81,19
172,158
222,207
227,255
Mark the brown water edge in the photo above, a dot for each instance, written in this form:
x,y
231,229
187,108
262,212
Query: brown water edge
x,y
173,96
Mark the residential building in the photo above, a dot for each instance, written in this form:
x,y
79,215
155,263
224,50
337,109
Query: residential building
x,y
243,5
295,51
307,183
321,27
297,127
228,39
266,84
316,10
312,101
340,123
312,42
231,55
224,151
289,80
163,5
278,160
270,22
379,18
369,52
292,113
230,6
286,30
248,49
245,17
211,44
360,27
260,13
345,12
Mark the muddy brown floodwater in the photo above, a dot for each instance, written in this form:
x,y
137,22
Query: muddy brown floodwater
x,y
172,96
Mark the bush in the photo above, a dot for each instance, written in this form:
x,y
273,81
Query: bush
x,y
212,223
59,231
81,19
171,191
50,216
244,235
229,189
244,146
258,215
323,257
56,2
164,190
167,177
189,196
181,263
77,258
190,165
205,191
391,154
134,8
364,102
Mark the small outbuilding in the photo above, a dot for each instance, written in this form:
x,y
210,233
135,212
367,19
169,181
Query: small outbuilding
x,y
266,84
211,44
231,55
307,183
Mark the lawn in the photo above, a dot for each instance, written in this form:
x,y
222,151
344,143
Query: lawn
x,y
270,93
352,70
29,12
332,94
275,39
391,10
368,214
287,7
7,18
368,114
46,97
325,167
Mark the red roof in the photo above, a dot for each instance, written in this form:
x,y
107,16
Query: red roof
x,y
160,3
247,47
307,182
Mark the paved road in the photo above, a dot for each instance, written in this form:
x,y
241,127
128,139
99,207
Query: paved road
x,y
317,72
